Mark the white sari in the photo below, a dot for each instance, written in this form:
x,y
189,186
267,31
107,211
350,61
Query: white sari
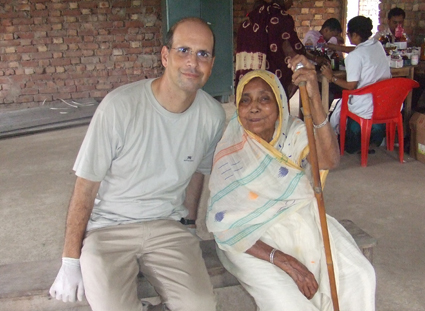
x,y
262,191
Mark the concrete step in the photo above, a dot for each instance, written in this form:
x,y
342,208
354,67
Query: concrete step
x,y
25,286
38,119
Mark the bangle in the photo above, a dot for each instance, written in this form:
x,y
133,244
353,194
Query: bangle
x,y
334,79
272,255
321,124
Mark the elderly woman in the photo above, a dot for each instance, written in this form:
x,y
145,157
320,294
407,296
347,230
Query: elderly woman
x,y
262,208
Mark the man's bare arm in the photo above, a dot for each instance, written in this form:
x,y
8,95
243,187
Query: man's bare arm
x,y
80,208
193,195
341,48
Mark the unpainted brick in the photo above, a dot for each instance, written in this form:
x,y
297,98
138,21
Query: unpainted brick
x,y
42,55
103,4
79,95
88,53
10,49
40,6
10,57
24,99
7,36
50,70
29,91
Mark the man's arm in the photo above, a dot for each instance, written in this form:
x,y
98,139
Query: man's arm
x,y
341,48
68,285
193,195
80,208
328,73
320,60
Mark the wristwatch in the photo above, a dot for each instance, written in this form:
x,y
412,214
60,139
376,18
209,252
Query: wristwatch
x,y
334,79
187,222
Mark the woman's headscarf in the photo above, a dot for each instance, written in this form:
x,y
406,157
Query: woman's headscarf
x,y
254,183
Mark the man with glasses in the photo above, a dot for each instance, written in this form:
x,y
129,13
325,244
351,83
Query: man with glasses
x,y
140,173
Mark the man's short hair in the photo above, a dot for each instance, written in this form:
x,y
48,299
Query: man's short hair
x,y
333,24
168,41
396,12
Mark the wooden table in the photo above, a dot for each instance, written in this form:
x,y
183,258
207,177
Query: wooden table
x,y
406,71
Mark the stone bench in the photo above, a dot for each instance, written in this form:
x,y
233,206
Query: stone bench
x,y
32,280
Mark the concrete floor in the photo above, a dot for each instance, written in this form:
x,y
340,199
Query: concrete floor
x,y
385,199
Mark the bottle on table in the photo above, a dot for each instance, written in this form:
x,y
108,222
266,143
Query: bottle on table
x,y
309,45
321,44
400,35
335,61
383,39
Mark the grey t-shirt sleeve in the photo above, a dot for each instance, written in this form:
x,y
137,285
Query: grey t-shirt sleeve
x,y
100,145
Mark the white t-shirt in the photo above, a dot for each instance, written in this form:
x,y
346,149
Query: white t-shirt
x,y
144,155
367,64
314,36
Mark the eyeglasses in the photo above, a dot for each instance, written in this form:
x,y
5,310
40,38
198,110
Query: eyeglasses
x,y
201,55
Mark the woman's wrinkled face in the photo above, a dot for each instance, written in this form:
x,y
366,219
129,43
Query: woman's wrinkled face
x,y
258,110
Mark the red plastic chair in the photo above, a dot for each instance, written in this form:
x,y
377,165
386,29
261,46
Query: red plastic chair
x,y
388,96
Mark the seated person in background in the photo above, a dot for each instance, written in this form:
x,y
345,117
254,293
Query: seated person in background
x,y
262,208
367,64
395,17
330,31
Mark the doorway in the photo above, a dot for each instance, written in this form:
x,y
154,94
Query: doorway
x,y
368,8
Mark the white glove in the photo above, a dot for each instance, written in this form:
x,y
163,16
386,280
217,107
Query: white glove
x,y
68,285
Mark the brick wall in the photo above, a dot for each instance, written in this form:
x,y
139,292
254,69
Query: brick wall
x,y
414,24
307,14
72,49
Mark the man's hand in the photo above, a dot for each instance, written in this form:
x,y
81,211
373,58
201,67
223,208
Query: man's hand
x,y
321,60
327,72
304,279
68,285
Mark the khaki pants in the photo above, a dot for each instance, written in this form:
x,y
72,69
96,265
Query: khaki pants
x,y
165,252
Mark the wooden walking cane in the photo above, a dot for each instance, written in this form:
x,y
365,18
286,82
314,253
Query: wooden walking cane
x,y
318,189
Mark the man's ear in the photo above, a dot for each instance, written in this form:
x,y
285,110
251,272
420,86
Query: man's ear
x,y
165,53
